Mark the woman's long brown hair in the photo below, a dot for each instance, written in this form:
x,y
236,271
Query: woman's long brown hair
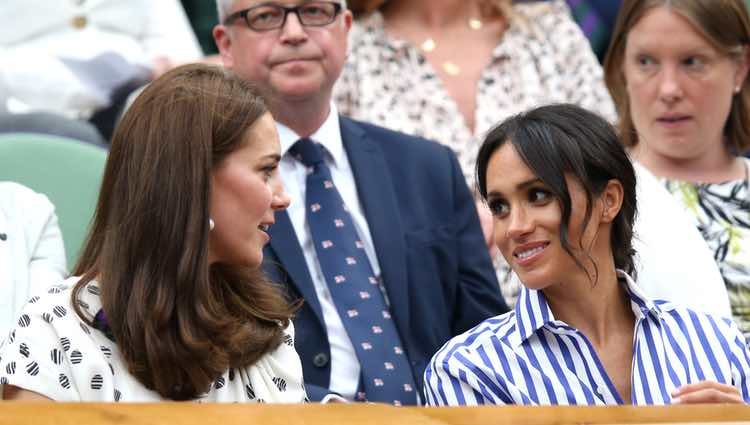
x,y
178,322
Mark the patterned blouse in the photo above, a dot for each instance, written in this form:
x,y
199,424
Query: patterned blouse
x,y
722,214
54,353
543,57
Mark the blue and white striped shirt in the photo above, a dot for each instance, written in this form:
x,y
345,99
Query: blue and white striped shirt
x,y
527,357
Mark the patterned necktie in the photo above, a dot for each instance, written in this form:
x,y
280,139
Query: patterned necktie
x,y
386,373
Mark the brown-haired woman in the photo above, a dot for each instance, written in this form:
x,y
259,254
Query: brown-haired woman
x,y
168,300
678,70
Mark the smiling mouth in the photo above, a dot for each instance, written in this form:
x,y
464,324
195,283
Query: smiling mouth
x,y
264,227
528,253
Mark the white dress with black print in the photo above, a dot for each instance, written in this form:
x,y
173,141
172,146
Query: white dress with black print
x,y
52,352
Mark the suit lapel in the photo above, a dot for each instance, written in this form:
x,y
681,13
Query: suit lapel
x,y
375,190
285,246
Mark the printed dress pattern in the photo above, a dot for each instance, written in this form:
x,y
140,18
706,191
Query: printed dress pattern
x,y
52,352
722,214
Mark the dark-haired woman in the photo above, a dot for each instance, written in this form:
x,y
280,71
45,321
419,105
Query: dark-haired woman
x,y
562,193
168,302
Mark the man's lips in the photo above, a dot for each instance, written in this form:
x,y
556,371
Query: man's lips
x,y
293,60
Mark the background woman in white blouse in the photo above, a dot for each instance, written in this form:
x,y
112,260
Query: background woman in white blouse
x,y
168,301
32,253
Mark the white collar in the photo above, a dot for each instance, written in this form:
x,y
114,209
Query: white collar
x,y
328,135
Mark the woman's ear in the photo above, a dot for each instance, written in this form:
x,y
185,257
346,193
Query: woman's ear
x,y
611,198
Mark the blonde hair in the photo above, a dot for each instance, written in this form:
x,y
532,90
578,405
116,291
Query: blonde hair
x,y
724,23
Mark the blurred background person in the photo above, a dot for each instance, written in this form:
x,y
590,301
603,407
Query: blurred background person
x,y
168,301
32,254
562,192
80,59
521,55
678,72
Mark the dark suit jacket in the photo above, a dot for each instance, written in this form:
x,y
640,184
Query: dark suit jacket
x,y
428,241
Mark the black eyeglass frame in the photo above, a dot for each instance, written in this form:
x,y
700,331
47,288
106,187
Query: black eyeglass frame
x,y
337,8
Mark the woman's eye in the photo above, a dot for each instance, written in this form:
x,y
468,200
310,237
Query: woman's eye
x,y
538,195
694,62
645,61
498,208
268,172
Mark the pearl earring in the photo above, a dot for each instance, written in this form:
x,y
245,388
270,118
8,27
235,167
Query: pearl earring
x,y
211,224
737,89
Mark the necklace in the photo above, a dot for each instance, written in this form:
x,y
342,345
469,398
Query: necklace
x,y
449,67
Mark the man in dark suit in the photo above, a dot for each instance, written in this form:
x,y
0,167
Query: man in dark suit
x,y
424,267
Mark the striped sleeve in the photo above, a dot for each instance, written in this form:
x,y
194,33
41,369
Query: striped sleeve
x,y
740,360
462,372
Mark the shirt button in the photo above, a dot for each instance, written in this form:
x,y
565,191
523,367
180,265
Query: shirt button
x,y
600,390
320,360
78,22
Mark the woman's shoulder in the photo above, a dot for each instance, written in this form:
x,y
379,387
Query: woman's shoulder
x,y
21,198
51,350
550,22
542,13
368,27
699,328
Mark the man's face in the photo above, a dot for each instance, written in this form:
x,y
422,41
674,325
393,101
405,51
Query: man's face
x,y
294,62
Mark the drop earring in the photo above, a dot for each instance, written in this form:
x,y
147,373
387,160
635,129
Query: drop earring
x,y
211,224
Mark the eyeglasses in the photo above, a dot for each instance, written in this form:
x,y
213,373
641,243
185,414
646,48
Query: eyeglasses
x,y
270,16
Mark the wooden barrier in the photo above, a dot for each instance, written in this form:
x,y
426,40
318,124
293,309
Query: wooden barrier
x,y
20,413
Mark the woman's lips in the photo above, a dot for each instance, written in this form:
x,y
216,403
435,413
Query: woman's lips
x,y
673,121
528,253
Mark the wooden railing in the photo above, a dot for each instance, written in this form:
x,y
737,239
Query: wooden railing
x,y
20,413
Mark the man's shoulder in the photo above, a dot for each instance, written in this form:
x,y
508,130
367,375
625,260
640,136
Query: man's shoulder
x,y
388,138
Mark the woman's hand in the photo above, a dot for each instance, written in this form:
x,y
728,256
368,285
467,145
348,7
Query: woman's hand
x,y
706,392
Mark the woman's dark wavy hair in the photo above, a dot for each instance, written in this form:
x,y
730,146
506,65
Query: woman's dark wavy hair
x,y
559,140
178,322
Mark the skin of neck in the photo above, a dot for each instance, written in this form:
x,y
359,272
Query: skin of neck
x,y
435,14
304,117
712,166
597,305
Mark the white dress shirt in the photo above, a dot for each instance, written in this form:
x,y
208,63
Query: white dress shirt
x,y
345,369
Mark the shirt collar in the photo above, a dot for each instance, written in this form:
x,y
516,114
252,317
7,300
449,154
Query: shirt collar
x,y
532,311
328,135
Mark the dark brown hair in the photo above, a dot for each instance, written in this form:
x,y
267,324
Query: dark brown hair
x,y
726,26
178,323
